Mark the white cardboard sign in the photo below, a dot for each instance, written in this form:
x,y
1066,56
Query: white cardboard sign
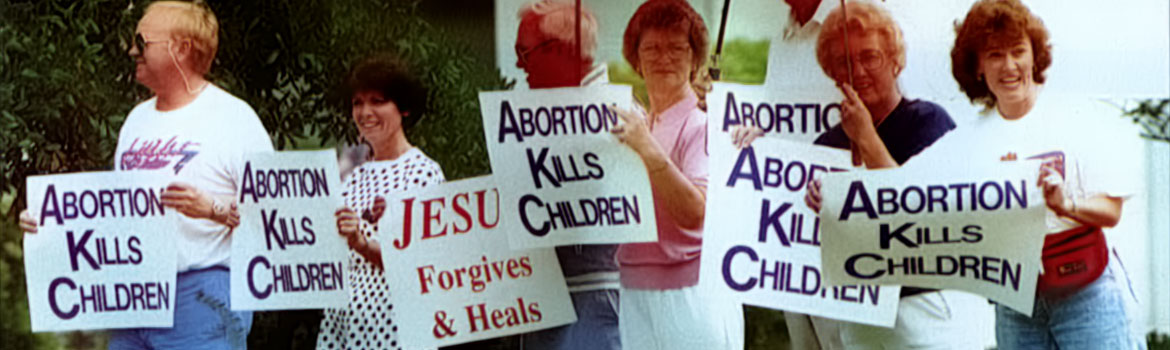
x,y
103,256
974,228
794,115
286,253
762,243
455,279
566,179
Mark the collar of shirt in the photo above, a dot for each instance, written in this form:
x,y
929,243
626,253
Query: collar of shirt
x,y
674,116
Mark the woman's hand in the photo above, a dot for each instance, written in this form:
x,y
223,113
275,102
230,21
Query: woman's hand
x,y
347,227
865,144
199,205
812,197
686,202
28,223
634,132
1051,182
855,118
743,135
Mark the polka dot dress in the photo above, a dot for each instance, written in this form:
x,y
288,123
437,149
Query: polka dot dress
x,y
368,321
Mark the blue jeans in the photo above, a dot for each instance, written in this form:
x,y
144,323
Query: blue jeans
x,y
203,317
596,326
1092,319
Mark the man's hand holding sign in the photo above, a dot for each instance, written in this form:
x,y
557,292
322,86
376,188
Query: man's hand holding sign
x,y
197,204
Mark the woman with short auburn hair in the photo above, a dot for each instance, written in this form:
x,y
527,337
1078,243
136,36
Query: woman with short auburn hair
x,y
999,59
661,307
991,24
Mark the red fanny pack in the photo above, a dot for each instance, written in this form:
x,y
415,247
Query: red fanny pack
x,y
1072,259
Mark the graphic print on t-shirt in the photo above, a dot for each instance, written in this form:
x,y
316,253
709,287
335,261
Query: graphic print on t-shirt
x,y
1057,156
155,154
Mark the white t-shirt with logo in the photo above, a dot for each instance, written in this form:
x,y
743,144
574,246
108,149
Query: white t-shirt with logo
x,y
1055,127
201,144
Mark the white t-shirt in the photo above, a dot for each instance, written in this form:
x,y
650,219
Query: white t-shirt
x,y
1054,127
792,55
201,144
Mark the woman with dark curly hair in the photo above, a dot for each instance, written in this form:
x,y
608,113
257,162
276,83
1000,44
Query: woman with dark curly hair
x,y
1000,55
385,101
661,307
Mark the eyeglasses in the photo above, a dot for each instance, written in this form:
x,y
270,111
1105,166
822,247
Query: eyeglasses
x,y
140,42
869,59
672,51
522,55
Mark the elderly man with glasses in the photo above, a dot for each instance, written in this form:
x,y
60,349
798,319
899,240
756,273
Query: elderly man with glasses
x,y
547,49
197,134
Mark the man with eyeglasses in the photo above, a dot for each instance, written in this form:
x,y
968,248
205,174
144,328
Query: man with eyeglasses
x,y
547,50
196,133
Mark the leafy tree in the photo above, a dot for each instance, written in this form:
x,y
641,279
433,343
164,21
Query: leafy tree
x,y
744,61
1154,118
66,89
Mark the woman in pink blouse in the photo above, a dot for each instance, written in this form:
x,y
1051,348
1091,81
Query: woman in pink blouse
x,y
661,306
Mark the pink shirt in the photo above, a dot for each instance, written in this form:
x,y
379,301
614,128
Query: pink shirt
x,y
673,261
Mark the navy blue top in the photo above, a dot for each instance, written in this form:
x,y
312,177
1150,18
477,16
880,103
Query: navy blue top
x,y
909,129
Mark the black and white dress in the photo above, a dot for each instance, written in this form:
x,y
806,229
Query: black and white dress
x,y
368,321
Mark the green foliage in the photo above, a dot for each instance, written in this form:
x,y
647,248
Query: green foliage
x,y
15,331
1154,118
1155,341
620,72
67,87
764,329
744,61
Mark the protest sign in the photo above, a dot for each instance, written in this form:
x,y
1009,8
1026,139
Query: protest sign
x,y
795,115
565,178
286,253
103,255
455,278
974,228
773,258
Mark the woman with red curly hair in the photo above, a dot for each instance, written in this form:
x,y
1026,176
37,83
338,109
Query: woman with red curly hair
x,y
661,306
999,59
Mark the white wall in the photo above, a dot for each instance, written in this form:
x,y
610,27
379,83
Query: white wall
x,y
1158,163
